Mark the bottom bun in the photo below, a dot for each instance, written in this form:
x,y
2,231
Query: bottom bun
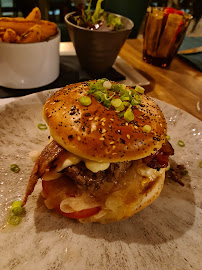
x,y
137,189
117,210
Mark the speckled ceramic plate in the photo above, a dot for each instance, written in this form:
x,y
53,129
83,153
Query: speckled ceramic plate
x,y
165,235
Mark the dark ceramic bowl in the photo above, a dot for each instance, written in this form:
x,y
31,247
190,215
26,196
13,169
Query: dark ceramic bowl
x,y
97,50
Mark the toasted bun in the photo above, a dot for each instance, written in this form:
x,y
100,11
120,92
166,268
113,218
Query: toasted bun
x,y
97,133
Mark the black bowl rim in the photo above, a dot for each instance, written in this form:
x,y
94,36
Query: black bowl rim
x,y
99,31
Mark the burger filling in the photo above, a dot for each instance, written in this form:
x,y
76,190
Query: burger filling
x,y
80,188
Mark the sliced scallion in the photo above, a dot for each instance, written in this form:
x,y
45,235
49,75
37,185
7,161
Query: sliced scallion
x,y
135,102
168,137
120,108
126,103
15,168
99,96
121,114
85,101
116,102
181,143
107,103
137,96
14,220
128,115
42,126
146,128
107,84
16,208
125,98
139,89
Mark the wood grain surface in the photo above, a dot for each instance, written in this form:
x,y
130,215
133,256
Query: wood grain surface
x,y
179,85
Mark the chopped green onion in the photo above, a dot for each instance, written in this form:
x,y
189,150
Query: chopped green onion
x,y
105,79
168,137
14,168
107,103
181,143
128,115
121,114
200,164
137,96
120,108
107,84
104,91
14,220
116,87
124,92
126,103
16,208
99,96
116,102
42,126
135,102
85,101
146,129
125,98
139,89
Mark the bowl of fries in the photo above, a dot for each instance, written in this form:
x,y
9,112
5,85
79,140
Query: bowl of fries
x,y
29,51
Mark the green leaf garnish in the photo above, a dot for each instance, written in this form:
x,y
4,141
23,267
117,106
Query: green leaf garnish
x,y
97,13
114,21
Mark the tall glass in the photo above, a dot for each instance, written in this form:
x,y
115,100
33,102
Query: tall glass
x,y
163,34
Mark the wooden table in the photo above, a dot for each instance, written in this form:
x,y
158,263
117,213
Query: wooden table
x,y
179,85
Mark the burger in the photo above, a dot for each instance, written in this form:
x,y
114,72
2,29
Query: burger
x,y
108,152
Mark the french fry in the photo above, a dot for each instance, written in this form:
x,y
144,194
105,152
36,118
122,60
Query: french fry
x,y
2,31
33,34
35,14
9,36
21,25
17,39
29,29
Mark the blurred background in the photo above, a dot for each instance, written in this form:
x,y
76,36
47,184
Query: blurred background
x,y
54,10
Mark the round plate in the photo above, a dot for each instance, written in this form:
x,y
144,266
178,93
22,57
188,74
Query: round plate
x,y
165,235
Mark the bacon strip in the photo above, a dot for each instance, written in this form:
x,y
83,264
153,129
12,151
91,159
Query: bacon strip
x,y
49,154
160,158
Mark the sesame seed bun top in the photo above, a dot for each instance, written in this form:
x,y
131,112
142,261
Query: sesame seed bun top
x,y
98,133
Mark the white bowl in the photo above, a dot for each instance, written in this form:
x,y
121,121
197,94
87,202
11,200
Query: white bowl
x,y
29,65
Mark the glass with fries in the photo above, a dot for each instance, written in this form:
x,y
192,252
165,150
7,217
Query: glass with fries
x,y
163,34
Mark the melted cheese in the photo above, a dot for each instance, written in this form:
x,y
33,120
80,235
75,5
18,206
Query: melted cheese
x,y
72,204
146,171
96,166
69,159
